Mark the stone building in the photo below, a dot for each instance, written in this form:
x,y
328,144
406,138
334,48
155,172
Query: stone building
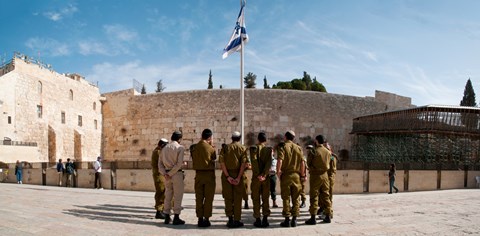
x,y
133,123
45,115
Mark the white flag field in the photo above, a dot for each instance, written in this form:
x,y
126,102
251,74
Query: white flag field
x,y
239,34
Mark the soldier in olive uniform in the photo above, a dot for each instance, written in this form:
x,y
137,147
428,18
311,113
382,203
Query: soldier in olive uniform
x,y
233,160
303,196
158,180
261,159
331,175
290,171
203,157
318,165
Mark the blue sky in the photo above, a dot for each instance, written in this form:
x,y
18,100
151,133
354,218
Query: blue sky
x,y
425,49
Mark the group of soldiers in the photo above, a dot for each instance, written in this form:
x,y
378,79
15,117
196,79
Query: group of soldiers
x,y
235,159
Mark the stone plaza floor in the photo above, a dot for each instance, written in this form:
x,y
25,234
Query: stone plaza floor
x,y
45,210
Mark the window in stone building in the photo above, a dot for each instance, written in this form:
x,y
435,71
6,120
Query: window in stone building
x,y
94,106
39,87
71,94
9,119
63,117
39,111
95,123
79,120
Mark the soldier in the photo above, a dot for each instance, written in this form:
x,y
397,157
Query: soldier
x,y
233,160
303,196
158,180
332,171
203,157
290,171
170,166
261,159
318,165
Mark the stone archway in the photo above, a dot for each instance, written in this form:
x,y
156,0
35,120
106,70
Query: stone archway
x,y
52,145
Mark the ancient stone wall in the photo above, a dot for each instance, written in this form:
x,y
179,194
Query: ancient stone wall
x,y
29,86
134,123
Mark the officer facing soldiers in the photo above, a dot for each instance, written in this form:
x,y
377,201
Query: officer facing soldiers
x,y
261,159
158,180
203,157
290,171
233,160
318,164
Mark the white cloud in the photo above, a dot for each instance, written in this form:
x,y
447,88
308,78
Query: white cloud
x,y
120,33
61,13
48,46
91,47
174,78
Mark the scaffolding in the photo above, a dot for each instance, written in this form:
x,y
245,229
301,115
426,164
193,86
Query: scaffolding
x,y
440,135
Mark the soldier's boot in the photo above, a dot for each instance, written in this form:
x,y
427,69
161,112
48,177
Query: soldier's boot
x,y
302,205
320,210
327,219
293,223
237,224
177,220
258,223
167,219
159,215
207,223
230,222
311,221
245,206
286,222
200,222
265,222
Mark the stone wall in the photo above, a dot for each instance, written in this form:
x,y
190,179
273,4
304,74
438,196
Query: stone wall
x,y
346,181
30,85
134,123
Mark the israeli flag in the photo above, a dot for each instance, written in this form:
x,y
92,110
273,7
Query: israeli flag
x,y
239,34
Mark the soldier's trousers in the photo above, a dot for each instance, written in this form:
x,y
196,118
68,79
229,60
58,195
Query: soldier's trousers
x,y
290,188
174,189
260,190
204,192
159,182
233,195
319,194
330,191
303,197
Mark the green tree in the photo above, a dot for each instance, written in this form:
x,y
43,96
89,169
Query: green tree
x,y
317,86
160,87
307,81
249,80
298,84
468,99
210,81
144,90
265,84
221,86
282,85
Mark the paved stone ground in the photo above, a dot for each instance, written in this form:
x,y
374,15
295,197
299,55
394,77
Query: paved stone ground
x,y
43,210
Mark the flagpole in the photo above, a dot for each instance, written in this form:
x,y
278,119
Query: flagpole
x,y
242,91
242,96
